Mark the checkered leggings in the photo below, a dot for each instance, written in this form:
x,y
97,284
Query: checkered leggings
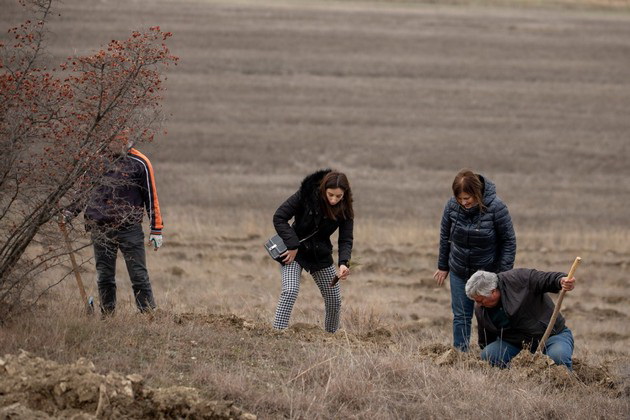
x,y
291,274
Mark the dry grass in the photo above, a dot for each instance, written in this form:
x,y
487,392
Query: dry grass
x,y
305,373
400,97
382,364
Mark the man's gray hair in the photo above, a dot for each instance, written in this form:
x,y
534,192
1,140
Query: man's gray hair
x,y
482,283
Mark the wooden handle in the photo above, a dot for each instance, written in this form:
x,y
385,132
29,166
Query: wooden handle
x,y
556,310
574,267
75,266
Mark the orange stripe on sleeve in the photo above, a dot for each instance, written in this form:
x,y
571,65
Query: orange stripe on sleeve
x,y
156,216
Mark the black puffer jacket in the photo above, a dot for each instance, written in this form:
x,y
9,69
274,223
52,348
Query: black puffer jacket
x,y
314,253
471,240
528,307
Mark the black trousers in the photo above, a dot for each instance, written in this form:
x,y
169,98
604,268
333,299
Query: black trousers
x,y
130,241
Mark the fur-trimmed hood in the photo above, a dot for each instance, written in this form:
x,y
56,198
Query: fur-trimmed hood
x,y
310,184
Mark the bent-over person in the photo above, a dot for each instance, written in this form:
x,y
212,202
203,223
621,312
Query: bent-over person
x,y
322,205
513,310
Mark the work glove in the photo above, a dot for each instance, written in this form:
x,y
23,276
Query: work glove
x,y
155,241
66,216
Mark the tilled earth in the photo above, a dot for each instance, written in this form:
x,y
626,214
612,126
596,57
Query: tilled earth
x,y
32,387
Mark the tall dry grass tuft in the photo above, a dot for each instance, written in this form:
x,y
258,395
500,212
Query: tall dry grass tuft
x,y
360,319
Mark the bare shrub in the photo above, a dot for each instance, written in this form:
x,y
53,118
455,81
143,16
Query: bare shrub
x,y
55,124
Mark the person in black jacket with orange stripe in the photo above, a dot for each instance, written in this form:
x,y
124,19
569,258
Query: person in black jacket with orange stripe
x,y
322,205
114,214
476,233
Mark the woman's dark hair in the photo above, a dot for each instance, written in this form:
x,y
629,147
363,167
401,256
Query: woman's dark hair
x,y
467,182
343,209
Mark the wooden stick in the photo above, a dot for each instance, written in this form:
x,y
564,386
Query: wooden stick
x,y
75,266
556,310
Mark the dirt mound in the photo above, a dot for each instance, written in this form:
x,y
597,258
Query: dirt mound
x,y
32,387
446,355
223,320
441,354
305,328
538,366
299,330
541,367
594,375
380,336
434,349
532,366
309,332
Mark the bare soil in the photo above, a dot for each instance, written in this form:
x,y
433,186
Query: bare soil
x,y
32,387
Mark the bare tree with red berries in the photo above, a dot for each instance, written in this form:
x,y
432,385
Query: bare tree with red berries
x,y
55,124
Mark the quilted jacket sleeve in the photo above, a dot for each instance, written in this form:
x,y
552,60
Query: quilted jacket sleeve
x,y
445,245
506,237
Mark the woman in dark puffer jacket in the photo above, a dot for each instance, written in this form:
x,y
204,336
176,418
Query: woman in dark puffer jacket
x,y
322,205
476,233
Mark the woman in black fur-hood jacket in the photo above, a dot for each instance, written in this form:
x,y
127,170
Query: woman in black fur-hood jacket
x,y
476,233
322,205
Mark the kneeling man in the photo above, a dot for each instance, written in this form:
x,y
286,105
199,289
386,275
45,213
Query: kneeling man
x,y
513,311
